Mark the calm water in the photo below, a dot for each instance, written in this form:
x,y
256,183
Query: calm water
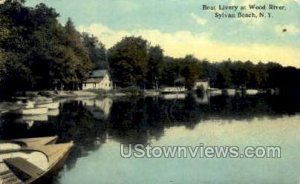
x,y
98,126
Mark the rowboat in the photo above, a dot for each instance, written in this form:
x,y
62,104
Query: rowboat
x,y
180,89
39,117
215,92
30,142
151,93
51,105
251,91
34,160
32,111
173,96
53,112
230,92
42,100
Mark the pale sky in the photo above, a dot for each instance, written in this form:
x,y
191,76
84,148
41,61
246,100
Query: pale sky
x,y
181,27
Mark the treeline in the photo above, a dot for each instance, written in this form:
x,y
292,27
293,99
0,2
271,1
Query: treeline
x,y
37,52
134,61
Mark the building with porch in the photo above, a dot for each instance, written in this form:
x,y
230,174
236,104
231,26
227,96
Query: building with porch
x,y
99,79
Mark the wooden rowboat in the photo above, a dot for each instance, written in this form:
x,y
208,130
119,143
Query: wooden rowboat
x,y
32,111
53,112
35,142
37,160
52,105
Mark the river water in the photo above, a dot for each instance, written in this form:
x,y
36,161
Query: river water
x,y
99,126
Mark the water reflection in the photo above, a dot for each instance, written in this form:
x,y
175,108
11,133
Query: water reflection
x,y
100,108
90,123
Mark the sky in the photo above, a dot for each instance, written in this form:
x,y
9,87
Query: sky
x,y
182,27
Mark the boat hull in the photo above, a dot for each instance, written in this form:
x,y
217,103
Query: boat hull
x,y
48,175
52,105
28,171
32,111
35,142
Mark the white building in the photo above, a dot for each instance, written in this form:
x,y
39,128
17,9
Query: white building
x,y
99,79
203,83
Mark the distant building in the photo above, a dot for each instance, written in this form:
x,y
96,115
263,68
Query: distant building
x,y
203,83
99,79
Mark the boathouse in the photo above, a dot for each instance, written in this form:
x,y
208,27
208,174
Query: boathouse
x,y
99,79
202,83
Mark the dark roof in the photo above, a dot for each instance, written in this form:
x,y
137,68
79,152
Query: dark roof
x,y
99,73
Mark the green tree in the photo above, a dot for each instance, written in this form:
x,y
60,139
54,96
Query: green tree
x,y
15,75
96,50
44,52
224,76
191,71
170,71
46,35
74,60
156,57
128,61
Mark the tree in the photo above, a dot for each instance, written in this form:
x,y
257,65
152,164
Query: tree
x,y
261,75
190,71
15,75
223,77
96,50
156,57
45,36
72,63
4,33
36,49
128,61
170,71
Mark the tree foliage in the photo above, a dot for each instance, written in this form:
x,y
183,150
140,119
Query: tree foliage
x,y
128,61
96,50
37,50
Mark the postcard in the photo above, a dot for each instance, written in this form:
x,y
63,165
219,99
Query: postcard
x,y
149,91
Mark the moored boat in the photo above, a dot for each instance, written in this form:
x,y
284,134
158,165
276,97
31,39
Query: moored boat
x,y
215,92
32,164
42,99
39,117
51,105
252,91
179,89
173,96
230,92
151,93
31,142
32,111
53,112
